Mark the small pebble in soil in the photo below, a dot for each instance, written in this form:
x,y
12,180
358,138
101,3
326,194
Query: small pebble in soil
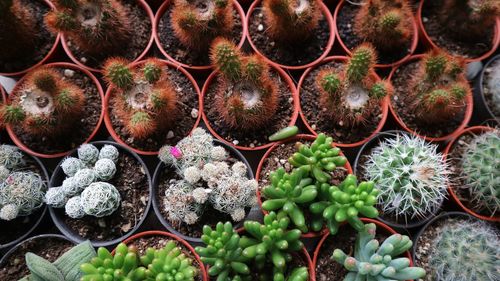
x,y
170,135
69,73
83,59
194,113
236,142
260,27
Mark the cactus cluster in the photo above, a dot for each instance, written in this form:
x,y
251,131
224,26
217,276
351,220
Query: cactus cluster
x,y
95,27
411,175
46,105
21,192
205,178
85,190
352,93
373,261
145,100
17,24
247,97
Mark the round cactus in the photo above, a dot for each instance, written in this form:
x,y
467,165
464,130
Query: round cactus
x,y
100,199
55,197
4,173
192,175
10,156
219,153
74,208
71,165
71,187
21,194
88,153
109,152
105,169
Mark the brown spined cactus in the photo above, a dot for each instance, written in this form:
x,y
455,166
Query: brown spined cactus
x,y
18,30
291,21
94,26
385,24
352,93
197,23
46,104
145,99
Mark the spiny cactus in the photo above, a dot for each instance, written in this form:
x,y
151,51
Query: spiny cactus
x,y
21,193
95,27
438,89
100,199
168,263
372,261
411,175
247,97
197,23
46,105
291,21
10,157
465,250
386,24
145,99
480,170
350,95
17,24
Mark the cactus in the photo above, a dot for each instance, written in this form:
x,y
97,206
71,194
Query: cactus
x,y
17,24
105,169
95,27
378,262
46,105
386,24
145,99
100,199
438,89
71,165
73,207
10,157
465,250
88,154
352,94
21,193
189,151
109,152
283,17
411,175
480,171
168,263
197,23
247,97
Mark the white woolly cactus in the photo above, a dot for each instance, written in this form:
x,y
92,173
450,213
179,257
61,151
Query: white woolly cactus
x,y
74,208
100,199
71,165
109,152
180,204
105,169
55,197
21,193
88,153
411,175
4,173
10,156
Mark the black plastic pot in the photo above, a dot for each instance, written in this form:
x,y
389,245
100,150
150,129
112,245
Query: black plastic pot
x,y
157,204
481,108
373,142
57,213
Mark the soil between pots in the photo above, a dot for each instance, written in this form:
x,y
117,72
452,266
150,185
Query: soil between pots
x,y
319,121
487,91
82,128
44,40
49,248
443,39
258,137
182,54
287,54
188,102
141,34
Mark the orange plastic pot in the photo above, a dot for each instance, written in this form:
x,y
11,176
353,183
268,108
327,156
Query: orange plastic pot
x,y
74,67
109,94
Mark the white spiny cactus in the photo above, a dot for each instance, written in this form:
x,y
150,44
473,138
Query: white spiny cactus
x,y
21,194
10,156
105,169
100,199
88,153
71,165
74,208
109,152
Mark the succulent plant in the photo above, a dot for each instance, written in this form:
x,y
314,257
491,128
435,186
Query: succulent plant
x,y
411,175
372,261
95,27
10,157
145,99
350,95
246,97
100,199
88,153
17,24
21,193
480,171
109,152
46,105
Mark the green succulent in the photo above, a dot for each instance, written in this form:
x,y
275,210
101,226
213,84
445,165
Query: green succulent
x,y
169,264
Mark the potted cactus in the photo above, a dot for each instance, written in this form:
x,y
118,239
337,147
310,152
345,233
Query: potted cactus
x,y
149,104
101,192
292,35
345,98
58,103
185,29
475,171
388,25
488,98
246,100
25,41
456,246
95,30
467,28
432,97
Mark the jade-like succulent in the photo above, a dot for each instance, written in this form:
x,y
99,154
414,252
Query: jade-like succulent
x,y
372,261
168,263
319,158
17,24
345,202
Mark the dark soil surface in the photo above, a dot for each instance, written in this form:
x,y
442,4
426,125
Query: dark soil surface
x,y
489,92
187,104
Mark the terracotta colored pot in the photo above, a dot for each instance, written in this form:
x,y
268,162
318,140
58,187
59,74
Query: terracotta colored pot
x,y
199,68
75,60
109,94
380,226
327,48
266,156
384,104
294,113
169,236
401,123
428,41
74,67
447,151
413,46
46,58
